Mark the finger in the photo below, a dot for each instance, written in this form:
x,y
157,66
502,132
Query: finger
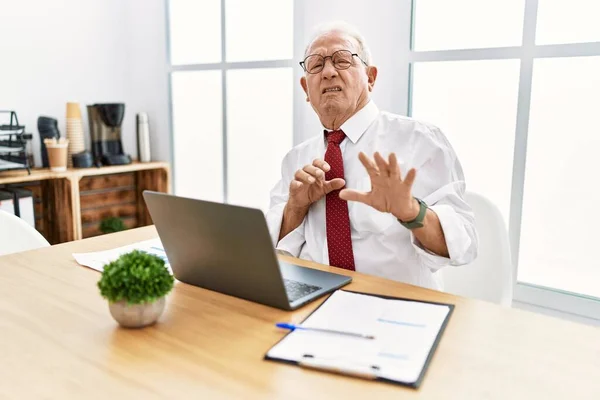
x,y
317,162
317,173
381,164
394,168
410,177
368,164
355,195
304,177
334,184
295,186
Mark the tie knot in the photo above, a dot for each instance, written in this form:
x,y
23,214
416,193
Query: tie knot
x,y
335,136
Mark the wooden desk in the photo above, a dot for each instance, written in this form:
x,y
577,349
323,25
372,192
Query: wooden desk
x,y
59,341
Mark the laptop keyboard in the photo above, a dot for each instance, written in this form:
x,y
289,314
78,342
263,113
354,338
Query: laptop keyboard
x,y
296,290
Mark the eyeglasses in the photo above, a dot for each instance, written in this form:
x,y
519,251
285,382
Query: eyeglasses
x,y
341,59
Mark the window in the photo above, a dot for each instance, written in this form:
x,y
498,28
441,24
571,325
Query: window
x,y
197,119
256,121
561,176
518,101
251,27
467,24
484,93
195,31
572,21
231,97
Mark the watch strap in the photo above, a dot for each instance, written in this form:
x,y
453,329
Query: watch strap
x,y
418,221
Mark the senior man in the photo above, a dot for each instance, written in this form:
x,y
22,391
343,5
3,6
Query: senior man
x,y
374,192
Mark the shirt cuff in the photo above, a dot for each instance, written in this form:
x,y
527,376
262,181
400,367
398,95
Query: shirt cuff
x,y
292,243
429,259
457,239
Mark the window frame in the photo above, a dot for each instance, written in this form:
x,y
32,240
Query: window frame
x,y
540,296
223,66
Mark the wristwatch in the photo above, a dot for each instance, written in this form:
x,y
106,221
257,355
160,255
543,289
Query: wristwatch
x,y
418,221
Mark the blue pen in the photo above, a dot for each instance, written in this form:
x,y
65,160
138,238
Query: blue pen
x,y
293,327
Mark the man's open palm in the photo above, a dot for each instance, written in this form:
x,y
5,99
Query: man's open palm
x,y
389,192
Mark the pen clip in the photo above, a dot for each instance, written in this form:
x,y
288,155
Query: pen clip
x,y
340,367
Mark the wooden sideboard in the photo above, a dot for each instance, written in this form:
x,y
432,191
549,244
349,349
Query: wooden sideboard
x,y
70,205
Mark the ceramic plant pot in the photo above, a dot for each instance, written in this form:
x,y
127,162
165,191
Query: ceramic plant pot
x,y
136,315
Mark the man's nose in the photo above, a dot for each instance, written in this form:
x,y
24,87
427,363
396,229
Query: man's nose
x,y
329,70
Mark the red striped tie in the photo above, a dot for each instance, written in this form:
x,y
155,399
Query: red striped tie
x,y
339,240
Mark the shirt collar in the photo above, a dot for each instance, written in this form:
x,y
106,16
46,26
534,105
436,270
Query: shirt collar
x,y
357,124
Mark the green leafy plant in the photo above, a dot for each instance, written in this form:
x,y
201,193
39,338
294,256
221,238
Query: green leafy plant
x,y
136,277
111,225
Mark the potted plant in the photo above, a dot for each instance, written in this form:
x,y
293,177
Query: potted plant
x,y
111,225
135,286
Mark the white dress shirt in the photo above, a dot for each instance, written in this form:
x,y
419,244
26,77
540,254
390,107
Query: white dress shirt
x,y
381,245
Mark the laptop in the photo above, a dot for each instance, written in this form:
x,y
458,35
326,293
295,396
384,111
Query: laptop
x,y
228,249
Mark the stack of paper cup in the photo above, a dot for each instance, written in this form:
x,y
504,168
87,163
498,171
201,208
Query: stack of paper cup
x,y
74,131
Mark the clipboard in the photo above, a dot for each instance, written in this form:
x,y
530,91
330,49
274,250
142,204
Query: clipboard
x,y
363,369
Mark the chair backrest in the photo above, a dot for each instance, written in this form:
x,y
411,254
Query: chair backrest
x,y
17,235
490,276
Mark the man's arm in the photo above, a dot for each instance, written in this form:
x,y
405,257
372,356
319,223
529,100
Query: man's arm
x,y
390,193
292,218
431,234
293,239
290,202
309,185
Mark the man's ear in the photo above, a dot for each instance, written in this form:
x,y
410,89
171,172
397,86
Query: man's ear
x,y
305,87
371,76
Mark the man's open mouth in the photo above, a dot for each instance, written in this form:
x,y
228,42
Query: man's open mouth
x,y
332,89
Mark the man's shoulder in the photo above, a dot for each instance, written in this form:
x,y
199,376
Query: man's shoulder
x,y
309,143
305,149
396,123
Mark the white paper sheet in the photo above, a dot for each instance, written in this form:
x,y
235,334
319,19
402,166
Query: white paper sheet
x,y
404,331
97,260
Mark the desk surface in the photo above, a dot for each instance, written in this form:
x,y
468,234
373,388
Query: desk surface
x,y
59,341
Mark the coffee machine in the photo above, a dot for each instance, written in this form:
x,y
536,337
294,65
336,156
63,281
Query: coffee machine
x,y
105,129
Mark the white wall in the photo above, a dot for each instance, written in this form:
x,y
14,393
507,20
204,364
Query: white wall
x,y
87,51
385,24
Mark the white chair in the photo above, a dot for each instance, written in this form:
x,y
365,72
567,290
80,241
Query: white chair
x,y
490,276
17,235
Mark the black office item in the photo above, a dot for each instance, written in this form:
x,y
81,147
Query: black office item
x,y
13,143
23,203
105,129
48,129
241,261
7,202
83,160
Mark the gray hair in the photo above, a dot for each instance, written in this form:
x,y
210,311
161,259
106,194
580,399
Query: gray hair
x,y
346,29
